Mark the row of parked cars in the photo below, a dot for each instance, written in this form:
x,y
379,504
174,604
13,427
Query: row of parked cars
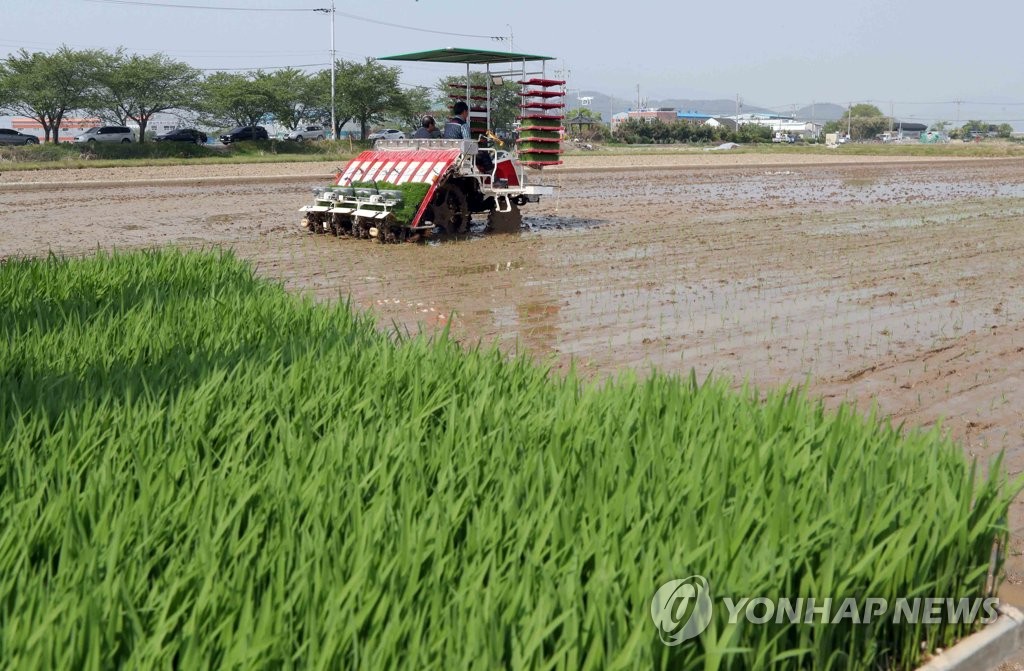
x,y
125,135
243,133
300,134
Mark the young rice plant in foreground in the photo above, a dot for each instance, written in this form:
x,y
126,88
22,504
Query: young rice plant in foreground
x,y
198,470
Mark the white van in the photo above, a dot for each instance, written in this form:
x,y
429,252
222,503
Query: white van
x,y
107,134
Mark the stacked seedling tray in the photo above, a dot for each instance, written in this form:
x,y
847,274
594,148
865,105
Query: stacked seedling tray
x,y
540,130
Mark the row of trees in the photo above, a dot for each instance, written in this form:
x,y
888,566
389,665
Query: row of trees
x,y
120,88
655,131
865,121
974,127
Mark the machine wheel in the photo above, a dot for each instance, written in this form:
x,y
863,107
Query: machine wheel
x,y
449,210
31,140
505,222
126,141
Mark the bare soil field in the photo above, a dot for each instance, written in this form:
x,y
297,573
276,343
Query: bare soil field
x,y
897,284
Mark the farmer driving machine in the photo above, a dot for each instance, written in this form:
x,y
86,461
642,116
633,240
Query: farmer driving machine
x,y
417,188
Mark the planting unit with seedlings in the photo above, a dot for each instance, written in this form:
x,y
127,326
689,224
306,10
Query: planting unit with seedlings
x,y
453,178
176,496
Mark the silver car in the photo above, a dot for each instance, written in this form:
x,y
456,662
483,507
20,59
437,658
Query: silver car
x,y
387,134
10,136
301,133
107,134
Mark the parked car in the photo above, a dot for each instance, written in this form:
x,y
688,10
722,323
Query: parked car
x,y
242,133
107,134
307,133
11,136
182,135
388,134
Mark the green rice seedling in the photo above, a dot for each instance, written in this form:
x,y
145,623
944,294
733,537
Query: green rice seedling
x,y
413,194
199,470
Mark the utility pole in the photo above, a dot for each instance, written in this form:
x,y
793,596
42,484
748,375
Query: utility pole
x,y
849,119
334,124
958,112
638,108
511,40
334,60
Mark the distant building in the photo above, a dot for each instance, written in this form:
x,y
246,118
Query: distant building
x,y
693,117
664,114
907,127
779,124
716,122
69,127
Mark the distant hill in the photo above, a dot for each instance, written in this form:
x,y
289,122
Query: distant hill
x,y
602,103
821,112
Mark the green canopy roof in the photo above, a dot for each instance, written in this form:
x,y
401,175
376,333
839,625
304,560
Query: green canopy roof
x,y
470,56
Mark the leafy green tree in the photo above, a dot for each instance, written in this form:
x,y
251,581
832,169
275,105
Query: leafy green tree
x,y
320,102
5,94
940,126
975,125
863,120
705,133
594,131
236,98
753,133
45,87
585,112
973,128
291,96
137,87
864,110
984,128
418,101
369,92
505,98
355,90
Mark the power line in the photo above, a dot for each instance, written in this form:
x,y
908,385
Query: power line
x,y
354,17
422,30
229,9
266,67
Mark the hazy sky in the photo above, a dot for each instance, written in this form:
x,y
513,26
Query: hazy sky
x,y
920,55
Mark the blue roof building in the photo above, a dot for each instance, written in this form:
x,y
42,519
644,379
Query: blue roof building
x,y
692,116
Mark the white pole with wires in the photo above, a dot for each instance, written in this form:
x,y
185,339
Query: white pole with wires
x,y
334,123
334,126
